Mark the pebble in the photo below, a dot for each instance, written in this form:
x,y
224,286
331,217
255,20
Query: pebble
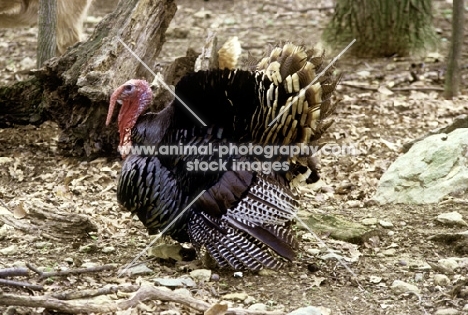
x,y
214,277
465,308
354,204
448,263
389,252
308,237
108,249
447,311
441,280
10,250
141,269
399,287
369,221
40,245
175,283
259,307
451,218
241,296
313,251
27,63
375,279
238,274
386,224
89,264
249,300
418,277
69,260
201,274
309,310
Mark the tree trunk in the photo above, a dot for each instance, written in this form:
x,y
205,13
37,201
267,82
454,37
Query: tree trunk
x,y
453,78
74,90
46,46
382,27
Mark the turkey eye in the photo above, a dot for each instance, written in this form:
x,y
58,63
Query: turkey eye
x,y
128,88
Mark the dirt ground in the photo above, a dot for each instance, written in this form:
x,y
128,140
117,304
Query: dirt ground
x,y
376,121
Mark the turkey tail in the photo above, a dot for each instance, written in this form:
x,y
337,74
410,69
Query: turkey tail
x,y
289,88
254,234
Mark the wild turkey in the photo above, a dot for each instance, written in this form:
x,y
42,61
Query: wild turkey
x,y
243,219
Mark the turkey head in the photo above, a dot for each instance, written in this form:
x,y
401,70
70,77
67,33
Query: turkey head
x,y
135,97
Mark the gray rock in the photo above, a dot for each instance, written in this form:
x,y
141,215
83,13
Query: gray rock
x,y
386,224
399,287
441,280
249,300
175,283
201,274
240,296
313,251
451,218
40,245
432,169
449,264
10,250
89,264
389,252
259,307
309,310
140,269
447,311
108,249
418,277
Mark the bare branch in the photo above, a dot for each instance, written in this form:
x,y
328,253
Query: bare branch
x,y
77,271
74,295
13,283
145,293
13,272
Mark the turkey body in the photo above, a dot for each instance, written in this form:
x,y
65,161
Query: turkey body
x,y
243,215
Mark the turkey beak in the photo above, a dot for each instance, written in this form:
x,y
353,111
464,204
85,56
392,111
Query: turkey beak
x,y
115,98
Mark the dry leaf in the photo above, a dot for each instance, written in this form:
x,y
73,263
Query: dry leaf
x,y
217,309
19,211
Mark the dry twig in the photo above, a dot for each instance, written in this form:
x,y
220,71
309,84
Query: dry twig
x,y
13,283
145,293
14,272
75,295
69,272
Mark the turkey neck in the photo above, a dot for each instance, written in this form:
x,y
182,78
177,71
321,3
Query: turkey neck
x,y
151,128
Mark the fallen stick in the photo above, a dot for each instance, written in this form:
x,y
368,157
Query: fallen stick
x,y
145,293
75,295
69,272
14,272
13,283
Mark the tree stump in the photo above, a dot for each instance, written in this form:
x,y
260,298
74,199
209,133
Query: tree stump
x,y
74,90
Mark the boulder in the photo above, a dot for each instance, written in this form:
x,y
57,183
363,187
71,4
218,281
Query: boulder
x,y
432,169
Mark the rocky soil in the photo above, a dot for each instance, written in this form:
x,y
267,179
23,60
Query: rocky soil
x,y
411,263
